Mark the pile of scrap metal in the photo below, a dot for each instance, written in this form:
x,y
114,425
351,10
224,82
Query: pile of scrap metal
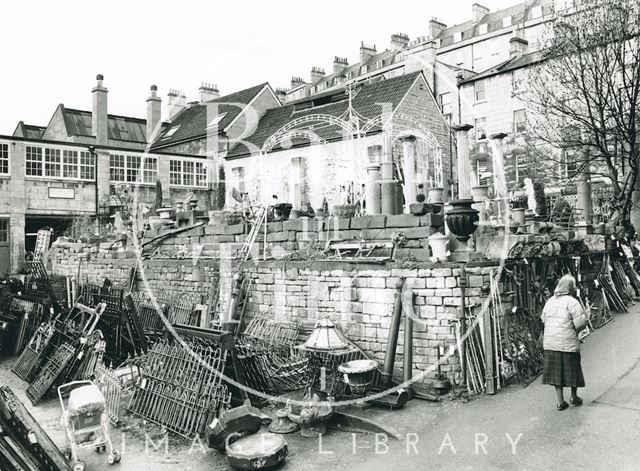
x,y
66,348
25,305
180,384
24,445
270,361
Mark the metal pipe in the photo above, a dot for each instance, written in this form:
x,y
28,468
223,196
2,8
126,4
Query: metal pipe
x,y
463,325
392,342
407,369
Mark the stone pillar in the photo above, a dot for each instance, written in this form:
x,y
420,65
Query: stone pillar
x,y
464,165
373,189
499,183
387,182
408,165
583,201
297,183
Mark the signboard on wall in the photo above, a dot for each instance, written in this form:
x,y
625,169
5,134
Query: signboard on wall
x,y
62,193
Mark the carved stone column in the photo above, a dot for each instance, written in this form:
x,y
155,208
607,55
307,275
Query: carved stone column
x,y
372,196
464,165
387,182
408,165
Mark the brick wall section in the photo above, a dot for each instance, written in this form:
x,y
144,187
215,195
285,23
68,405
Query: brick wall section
x,y
360,297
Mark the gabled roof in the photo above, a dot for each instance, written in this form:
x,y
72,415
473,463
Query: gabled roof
x,y
507,66
366,102
192,122
120,128
29,131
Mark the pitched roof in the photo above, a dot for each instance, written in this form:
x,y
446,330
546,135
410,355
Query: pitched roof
x,y
507,66
518,13
29,131
366,102
120,128
191,123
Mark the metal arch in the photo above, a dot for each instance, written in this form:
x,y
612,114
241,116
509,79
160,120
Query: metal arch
x,y
389,122
307,121
294,134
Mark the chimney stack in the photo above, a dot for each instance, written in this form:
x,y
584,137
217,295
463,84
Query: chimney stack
x,y
281,94
518,47
478,12
339,64
435,27
317,73
296,81
366,52
99,118
176,102
208,92
154,114
399,41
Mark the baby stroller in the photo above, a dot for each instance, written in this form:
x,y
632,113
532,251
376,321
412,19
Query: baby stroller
x,y
85,421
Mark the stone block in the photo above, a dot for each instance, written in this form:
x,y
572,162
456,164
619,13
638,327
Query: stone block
x,y
278,236
432,220
195,232
403,220
369,222
274,227
435,282
235,229
417,232
292,225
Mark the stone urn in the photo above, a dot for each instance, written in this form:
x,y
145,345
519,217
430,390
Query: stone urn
x,y
439,244
462,221
359,374
435,195
480,193
156,222
164,213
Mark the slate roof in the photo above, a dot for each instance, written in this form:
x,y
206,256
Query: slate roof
x,y
493,20
334,103
507,66
120,128
29,131
193,120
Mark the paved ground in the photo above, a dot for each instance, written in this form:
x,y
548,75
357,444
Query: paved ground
x,y
515,429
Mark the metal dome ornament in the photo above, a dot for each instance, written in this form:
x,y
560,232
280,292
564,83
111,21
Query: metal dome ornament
x,y
326,337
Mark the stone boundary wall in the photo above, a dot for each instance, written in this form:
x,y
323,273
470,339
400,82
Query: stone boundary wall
x,y
166,278
360,298
297,234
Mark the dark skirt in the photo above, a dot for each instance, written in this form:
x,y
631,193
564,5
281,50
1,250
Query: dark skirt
x,y
562,369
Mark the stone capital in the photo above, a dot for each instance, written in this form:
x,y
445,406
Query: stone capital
x,y
499,136
462,127
409,138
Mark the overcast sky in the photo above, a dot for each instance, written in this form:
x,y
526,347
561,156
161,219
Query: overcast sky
x,y
51,51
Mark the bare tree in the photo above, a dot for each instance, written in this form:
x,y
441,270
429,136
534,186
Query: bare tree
x,y
582,94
